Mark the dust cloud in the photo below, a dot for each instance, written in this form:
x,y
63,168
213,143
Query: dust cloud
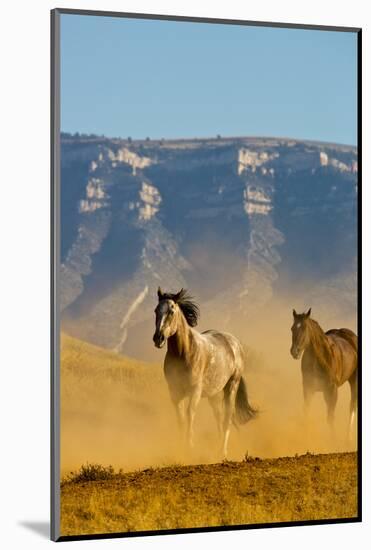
x,y
113,414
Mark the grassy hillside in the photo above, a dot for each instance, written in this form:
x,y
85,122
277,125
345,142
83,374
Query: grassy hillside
x,y
83,359
106,399
307,487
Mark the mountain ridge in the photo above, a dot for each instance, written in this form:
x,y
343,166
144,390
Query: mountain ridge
x,y
233,219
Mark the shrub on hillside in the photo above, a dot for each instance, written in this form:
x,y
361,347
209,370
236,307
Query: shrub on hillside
x,y
91,472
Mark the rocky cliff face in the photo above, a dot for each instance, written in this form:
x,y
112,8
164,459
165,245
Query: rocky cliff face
x,y
236,221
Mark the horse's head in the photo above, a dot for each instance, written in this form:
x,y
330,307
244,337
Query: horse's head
x,y
166,312
300,333
169,311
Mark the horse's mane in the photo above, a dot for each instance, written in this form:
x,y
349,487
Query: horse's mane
x,y
320,344
185,301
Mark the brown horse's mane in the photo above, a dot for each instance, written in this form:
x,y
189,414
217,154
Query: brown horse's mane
x,y
186,303
320,343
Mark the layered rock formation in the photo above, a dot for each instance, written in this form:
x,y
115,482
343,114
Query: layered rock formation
x,y
235,220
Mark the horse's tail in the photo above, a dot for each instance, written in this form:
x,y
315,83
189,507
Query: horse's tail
x,y
244,411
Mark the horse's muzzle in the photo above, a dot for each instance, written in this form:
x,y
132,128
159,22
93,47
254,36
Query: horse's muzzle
x,y
159,340
295,353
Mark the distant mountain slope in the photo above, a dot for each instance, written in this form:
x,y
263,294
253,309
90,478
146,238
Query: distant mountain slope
x,y
236,220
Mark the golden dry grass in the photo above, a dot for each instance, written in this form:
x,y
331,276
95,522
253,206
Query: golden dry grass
x,y
81,359
308,487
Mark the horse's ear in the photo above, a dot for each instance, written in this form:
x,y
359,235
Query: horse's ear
x,y
308,312
177,295
294,313
159,293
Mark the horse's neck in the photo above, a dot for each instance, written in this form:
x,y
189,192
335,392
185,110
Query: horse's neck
x,y
182,342
320,344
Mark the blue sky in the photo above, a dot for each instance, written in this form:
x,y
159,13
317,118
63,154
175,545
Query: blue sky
x,y
139,78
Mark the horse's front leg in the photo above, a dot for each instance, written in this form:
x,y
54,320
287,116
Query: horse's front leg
x,y
308,384
192,406
308,396
331,396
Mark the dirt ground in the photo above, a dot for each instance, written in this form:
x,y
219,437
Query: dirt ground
x,y
307,487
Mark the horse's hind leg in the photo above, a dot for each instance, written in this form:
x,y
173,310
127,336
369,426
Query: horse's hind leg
x,y
353,382
230,392
216,403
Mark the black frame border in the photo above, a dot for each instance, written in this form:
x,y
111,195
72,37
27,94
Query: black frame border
x,y
55,262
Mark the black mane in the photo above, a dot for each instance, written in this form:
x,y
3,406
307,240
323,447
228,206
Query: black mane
x,y
190,309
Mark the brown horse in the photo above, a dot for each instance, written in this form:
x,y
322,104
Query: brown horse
x,y
208,364
328,361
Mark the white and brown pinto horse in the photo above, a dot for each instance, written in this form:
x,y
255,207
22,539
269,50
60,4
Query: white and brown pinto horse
x,y
208,364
